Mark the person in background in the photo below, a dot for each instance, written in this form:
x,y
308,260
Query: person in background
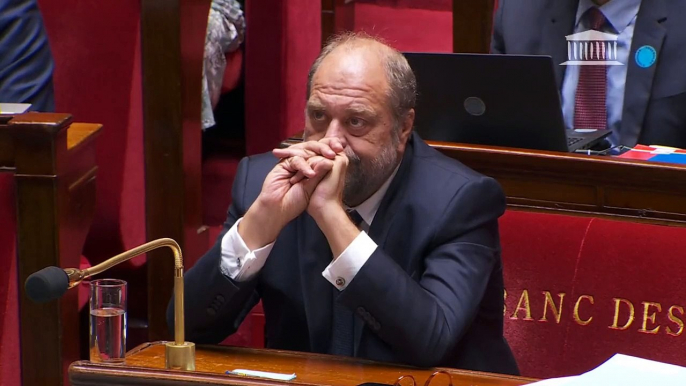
x,y
643,100
26,63
225,33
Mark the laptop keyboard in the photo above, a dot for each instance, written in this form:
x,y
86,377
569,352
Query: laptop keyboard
x,y
572,140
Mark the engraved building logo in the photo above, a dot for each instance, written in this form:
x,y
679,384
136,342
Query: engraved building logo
x,y
592,48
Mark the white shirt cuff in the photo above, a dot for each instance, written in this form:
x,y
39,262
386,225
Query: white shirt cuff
x,y
238,262
343,270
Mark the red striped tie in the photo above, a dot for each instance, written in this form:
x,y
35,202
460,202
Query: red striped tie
x,y
590,110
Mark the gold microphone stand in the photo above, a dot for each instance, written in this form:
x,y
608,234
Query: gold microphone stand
x,y
179,354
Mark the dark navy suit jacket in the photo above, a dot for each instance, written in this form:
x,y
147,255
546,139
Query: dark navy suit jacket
x,y
431,294
654,110
26,64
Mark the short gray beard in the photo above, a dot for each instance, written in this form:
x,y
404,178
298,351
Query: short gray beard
x,y
365,176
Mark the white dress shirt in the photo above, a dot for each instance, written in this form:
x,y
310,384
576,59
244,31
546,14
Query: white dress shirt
x,y
240,263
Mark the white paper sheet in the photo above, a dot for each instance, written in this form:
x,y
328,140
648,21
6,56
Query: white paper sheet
x,y
624,370
14,108
263,374
555,381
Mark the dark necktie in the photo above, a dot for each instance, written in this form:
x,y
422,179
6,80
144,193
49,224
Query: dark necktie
x,y
342,325
590,110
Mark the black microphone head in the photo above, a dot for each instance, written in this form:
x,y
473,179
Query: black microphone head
x,y
47,284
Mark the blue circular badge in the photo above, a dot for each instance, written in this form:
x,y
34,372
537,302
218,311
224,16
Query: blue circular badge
x,y
645,56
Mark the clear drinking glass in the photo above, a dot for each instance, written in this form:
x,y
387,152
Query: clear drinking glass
x,y
108,321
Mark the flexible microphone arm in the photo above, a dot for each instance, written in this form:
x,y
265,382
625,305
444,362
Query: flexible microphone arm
x,y
179,354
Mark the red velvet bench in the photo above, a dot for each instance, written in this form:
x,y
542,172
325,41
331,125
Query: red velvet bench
x,y
580,289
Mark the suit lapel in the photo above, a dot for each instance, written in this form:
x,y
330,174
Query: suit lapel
x,y
380,227
559,22
393,197
650,32
314,254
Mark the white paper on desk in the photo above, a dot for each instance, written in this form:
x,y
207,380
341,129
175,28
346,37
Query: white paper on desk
x,y
555,381
265,374
14,108
626,370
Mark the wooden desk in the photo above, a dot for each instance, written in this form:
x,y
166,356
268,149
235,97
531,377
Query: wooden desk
x,y
601,186
145,366
577,184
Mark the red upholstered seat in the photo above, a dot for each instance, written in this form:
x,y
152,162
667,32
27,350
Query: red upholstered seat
x,y
615,287
282,41
96,47
98,78
408,25
233,71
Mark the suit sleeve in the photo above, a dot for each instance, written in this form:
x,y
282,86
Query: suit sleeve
x,y
423,320
26,62
215,305
497,39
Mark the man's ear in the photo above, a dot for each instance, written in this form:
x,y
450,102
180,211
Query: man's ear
x,y
408,123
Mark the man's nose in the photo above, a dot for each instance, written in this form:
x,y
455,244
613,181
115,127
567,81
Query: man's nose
x,y
335,130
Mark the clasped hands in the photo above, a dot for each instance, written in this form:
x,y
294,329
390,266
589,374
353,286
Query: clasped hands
x,y
310,177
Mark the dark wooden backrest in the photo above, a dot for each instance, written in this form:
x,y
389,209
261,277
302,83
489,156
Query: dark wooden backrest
x,y
172,49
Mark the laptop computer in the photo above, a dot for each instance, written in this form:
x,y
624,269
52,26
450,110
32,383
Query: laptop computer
x,y
498,100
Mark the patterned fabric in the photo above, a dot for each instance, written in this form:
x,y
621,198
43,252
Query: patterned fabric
x,y
225,33
590,110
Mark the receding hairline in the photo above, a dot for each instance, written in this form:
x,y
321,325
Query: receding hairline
x,y
401,84
373,53
363,41
354,41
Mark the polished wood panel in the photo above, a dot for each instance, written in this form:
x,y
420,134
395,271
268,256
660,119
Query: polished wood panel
x,y
80,133
53,162
172,49
602,186
472,25
579,184
145,366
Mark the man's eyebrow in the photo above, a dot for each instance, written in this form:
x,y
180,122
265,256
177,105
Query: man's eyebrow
x,y
362,110
314,105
